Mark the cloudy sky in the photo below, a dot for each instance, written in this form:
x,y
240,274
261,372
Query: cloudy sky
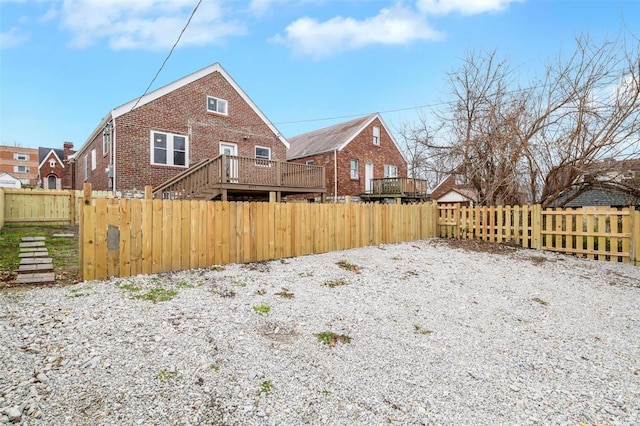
x,y
306,63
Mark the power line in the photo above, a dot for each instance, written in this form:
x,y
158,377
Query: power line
x,y
193,12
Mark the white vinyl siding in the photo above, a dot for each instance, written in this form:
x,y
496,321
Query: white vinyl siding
x,y
169,149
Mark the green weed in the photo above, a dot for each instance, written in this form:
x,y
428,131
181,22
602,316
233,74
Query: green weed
x,y
335,283
262,308
157,294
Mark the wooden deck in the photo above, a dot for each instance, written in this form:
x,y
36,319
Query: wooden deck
x,y
409,190
229,177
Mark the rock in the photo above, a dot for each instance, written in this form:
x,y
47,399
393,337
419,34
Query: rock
x,y
14,414
42,378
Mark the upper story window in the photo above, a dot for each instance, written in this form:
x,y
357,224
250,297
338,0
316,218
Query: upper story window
x,y
354,169
106,139
52,163
309,163
376,135
390,171
93,159
20,156
216,105
21,169
169,149
85,166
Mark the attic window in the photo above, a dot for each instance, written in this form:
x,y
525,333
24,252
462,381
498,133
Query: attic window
x,y
52,163
216,105
376,135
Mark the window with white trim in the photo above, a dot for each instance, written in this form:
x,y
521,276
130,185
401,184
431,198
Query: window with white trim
x,y
169,149
376,135
20,156
390,171
309,163
93,159
263,153
217,105
86,167
52,163
106,138
21,169
354,169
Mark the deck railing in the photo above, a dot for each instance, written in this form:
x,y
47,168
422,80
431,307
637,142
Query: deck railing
x,y
399,186
226,170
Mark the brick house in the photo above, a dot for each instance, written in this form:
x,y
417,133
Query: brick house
x,y
54,169
354,153
21,163
173,129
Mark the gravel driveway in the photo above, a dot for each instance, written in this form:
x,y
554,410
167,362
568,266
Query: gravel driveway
x,y
415,333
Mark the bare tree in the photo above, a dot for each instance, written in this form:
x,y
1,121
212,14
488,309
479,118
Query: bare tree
x,y
550,138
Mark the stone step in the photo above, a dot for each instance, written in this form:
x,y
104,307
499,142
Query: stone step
x,y
32,244
64,235
30,239
28,249
34,254
36,267
34,260
37,277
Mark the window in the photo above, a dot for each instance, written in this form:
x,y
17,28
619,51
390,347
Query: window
x,y
93,159
390,171
216,105
354,169
309,163
20,156
376,135
106,138
20,169
264,154
52,163
169,149
86,167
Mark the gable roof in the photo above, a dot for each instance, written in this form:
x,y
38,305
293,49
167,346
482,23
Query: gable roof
x,y
43,154
332,138
151,96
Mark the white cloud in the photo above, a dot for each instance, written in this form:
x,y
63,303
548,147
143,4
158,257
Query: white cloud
x,y
398,25
394,26
146,24
466,7
12,38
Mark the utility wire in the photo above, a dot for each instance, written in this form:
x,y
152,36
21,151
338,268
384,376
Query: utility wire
x,y
193,12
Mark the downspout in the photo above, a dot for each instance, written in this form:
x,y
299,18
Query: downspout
x,y
113,143
335,175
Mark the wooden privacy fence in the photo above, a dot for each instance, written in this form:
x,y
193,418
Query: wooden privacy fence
x,y
44,205
600,233
124,237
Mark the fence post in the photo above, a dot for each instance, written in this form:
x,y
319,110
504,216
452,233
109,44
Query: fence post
x,y
635,237
536,226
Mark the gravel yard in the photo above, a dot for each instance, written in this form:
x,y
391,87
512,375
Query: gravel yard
x,y
428,332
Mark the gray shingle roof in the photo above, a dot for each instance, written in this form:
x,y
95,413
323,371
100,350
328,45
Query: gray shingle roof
x,y
326,139
605,196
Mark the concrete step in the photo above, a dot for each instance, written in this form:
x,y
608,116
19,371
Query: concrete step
x,y
34,260
28,249
31,239
37,277
32,244
64,235
35,267
34,254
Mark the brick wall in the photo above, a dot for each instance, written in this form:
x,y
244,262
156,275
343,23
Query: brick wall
x,y
183,112
7,163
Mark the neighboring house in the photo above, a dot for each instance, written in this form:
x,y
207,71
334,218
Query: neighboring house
x,y
601,194
454,189
167,135
355,154
8,181
54,169
21,163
